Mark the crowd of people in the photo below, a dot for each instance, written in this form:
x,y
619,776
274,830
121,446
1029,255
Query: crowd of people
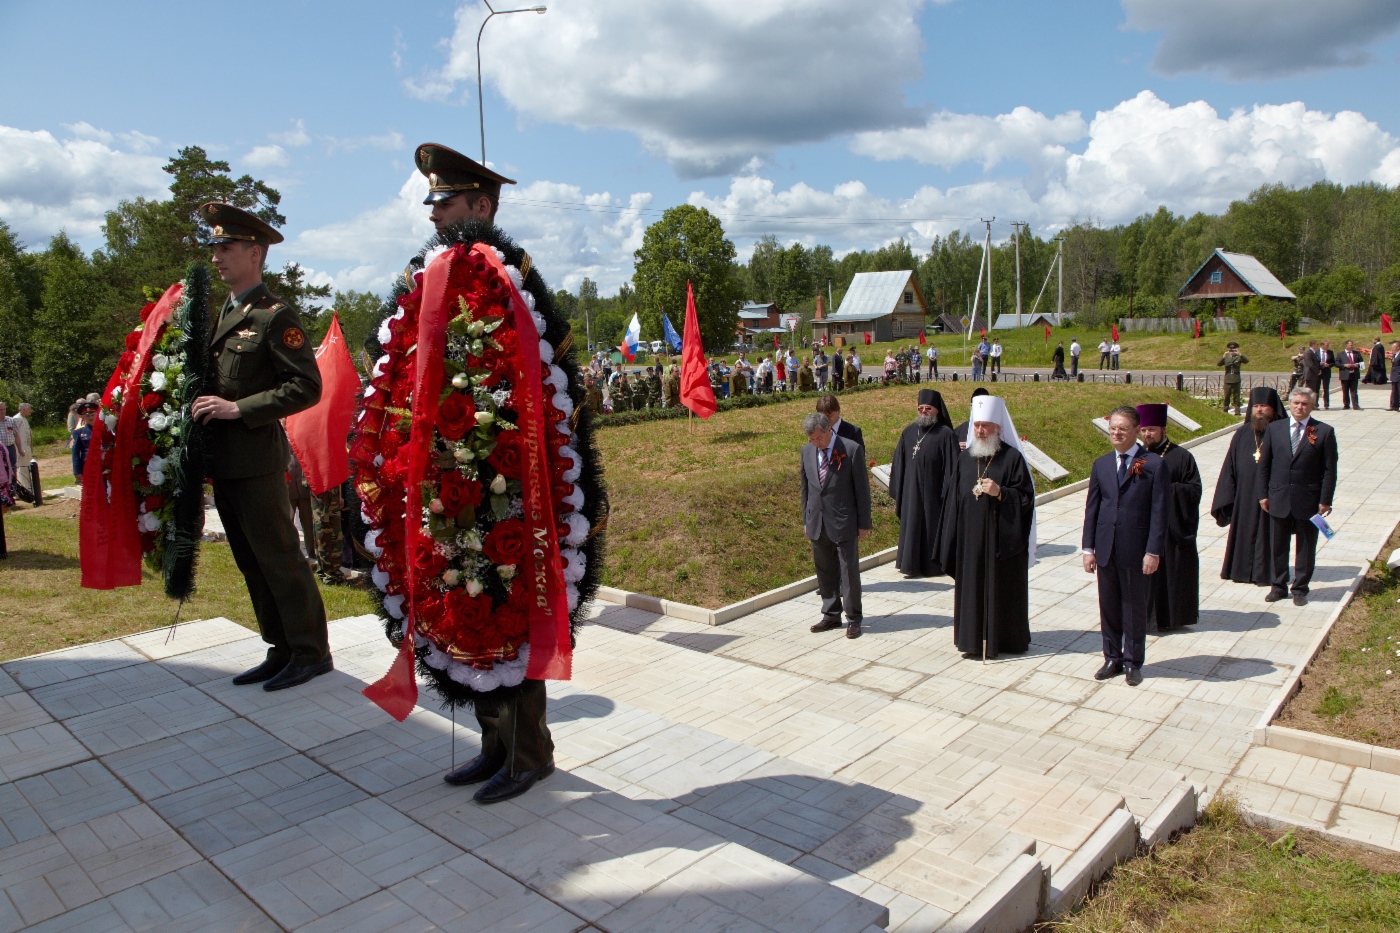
x,y
965,500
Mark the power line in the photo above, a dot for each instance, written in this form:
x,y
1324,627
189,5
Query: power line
x,y
731,215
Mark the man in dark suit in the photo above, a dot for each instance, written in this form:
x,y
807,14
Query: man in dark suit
x,y
1326,359
835,516
1349,375
1395,375
1298,467
1125,529
830,406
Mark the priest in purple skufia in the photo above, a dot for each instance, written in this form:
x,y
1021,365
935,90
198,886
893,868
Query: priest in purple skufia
x,y
1248,558
1174,598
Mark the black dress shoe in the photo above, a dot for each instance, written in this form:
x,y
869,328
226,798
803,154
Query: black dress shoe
x,y
1300,599
853,630
826,625
1109,669
264,671
1134,676
1274,596
294,674
475,771
506,785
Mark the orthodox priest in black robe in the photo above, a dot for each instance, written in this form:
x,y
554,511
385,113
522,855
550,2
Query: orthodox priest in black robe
x,y
1375,369
925,453
1236,502
961,430
1174,598
989,537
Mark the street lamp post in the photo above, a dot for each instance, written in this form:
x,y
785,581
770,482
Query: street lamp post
x,y
480,107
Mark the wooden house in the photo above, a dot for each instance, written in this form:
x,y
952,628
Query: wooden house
x,y
889,305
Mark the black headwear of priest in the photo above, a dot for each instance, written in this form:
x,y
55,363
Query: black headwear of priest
x,y
1266,395
979,391
935,398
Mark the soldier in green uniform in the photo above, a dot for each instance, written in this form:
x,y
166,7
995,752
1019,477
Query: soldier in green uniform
x,y
594,394
1232,361
806,378
265,369
516,747
654,386
622,394
673,386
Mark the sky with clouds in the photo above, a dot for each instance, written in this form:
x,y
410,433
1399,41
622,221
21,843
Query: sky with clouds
x,y
820,121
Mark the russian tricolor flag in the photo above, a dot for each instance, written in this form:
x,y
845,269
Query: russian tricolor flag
x,y
630,339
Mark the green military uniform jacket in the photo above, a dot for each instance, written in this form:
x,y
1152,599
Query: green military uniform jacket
x,y
595,400
1232,363
262,360
673,387
654,391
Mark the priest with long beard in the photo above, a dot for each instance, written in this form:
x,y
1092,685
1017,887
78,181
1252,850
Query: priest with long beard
x,y
1236,502
922,459
989,540
1174,596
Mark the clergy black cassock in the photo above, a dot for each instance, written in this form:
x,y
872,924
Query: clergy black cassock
x,y
922,460
1236,503
986,550
1175,596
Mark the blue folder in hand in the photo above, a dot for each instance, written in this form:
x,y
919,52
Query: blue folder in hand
x,y
1322,526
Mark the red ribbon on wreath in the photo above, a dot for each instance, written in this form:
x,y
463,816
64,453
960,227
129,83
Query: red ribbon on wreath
x,y
109,545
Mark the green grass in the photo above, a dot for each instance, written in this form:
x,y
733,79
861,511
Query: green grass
x,y
1225,876
1352,689
706,512
43,607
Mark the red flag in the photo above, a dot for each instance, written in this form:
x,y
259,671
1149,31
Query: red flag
x,y
1385,324
984,333
775,341
1283,330
1198,328
318,434
922,338
1115,333
696,393
1047,335
867,338
823,339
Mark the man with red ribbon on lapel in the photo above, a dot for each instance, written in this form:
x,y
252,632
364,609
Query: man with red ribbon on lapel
x,y
486,501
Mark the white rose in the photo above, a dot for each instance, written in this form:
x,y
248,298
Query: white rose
x,y
159,422
474,587
453,577
484,417
160,361
149,522
110,421
498,485
155,464
461,381
157,381
156,479
507,572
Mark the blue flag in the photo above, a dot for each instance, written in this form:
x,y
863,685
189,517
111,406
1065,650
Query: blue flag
x,y
669,332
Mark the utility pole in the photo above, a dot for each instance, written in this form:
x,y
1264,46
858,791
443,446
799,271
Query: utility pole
x,y
991,314
480,104
1060,288
1017,225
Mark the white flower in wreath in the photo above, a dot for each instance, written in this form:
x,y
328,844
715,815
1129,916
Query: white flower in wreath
x,y
157,382
157,479
159,422
150,522
110,421
160,361
155,464
507,572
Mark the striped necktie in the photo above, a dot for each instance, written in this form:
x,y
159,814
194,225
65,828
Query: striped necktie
x,y
1296,435
822,461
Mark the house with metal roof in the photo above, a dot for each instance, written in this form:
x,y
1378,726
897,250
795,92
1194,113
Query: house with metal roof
x,y
1228,275
887,305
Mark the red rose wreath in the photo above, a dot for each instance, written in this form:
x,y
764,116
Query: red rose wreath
x,y
477,476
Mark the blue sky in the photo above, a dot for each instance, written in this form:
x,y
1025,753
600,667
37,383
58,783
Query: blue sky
x,y
824,121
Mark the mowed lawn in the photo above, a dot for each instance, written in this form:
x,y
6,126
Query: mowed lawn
x,y
707,512
43,606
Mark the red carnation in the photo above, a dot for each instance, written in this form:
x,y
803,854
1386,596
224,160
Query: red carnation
x,y
508,457
458,492
150,401
456,416
133,340
506,542
146,311
154,502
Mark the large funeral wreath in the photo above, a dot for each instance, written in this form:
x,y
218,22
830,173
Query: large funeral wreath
x,y
469,490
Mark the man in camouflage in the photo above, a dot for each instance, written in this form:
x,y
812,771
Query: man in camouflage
x,y
654,386
594,395
330,542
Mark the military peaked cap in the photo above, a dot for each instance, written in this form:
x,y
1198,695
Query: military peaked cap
x,y
450,173
229,224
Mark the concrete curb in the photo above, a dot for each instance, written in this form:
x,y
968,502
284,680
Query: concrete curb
x,y
1175,813
1331,748
1009,904
1270,821
1113,842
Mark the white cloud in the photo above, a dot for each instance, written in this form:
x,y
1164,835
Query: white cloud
x,y
386,142
266,156
595,236
47,184
707,84
1262,38
294,137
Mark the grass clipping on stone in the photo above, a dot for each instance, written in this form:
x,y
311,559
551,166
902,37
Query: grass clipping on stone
x,y
1225,876
1352,689
709,512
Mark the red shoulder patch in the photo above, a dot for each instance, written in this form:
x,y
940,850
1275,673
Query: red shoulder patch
x,y
294,338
